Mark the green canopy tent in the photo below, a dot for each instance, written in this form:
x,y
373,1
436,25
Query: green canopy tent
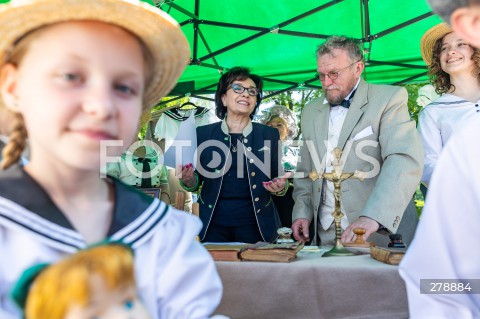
x,y
278,38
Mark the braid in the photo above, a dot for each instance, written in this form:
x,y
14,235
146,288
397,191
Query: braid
x,y
13,150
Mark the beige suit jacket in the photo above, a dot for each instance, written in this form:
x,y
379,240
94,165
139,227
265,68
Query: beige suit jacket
x,y
394,146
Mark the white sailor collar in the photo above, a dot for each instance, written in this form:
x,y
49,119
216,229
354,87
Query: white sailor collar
x,y
27,205
246,131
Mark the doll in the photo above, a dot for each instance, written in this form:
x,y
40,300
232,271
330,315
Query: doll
x,y
97,282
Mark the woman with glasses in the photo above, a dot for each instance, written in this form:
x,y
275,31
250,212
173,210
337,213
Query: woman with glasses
x,y
238,166
454,70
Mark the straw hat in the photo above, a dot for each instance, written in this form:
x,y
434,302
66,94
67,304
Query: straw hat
x,y
429,38
146,117
160,32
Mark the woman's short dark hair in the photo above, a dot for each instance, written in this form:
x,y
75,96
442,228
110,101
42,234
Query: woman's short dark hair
x,y
441,79
232,75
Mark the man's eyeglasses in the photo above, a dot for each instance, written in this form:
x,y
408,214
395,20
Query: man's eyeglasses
x,y
237,88
333,75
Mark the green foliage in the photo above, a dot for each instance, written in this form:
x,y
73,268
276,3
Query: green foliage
x,y
419,201
413,107
294,100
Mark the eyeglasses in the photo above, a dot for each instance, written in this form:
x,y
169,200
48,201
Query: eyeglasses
x,y
332,75
237,88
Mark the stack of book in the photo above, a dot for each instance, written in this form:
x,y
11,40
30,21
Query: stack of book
x,y
255,252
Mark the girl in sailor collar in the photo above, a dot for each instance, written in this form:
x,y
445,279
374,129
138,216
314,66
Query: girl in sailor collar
x,y
77,73
454,70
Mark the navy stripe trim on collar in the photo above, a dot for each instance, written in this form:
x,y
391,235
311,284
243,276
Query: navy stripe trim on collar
x,y
44,235
151,228
153,217
174,113
450,103
41,230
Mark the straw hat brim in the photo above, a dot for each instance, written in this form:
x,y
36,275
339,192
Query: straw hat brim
x,y
429,38
160,33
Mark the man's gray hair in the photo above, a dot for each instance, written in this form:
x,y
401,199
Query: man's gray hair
x,y
353,47
445,8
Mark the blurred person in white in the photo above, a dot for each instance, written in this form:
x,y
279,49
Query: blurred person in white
x,y
446,244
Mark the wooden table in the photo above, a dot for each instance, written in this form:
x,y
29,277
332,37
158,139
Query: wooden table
x,y
313,287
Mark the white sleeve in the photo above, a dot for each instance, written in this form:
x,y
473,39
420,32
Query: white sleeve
x,y
186,282
446,241
432,143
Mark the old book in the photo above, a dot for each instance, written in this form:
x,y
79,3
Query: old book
x,y
271,252
391,256
225,252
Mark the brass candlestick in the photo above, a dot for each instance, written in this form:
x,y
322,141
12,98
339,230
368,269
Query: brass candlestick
x,y
337,177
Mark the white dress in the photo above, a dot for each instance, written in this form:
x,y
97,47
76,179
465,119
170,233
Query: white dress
x,y
436,124
169,122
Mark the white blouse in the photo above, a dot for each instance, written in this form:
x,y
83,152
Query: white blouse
x,y
436,124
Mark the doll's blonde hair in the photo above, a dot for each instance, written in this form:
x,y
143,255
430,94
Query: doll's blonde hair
x,y
17,142
67,283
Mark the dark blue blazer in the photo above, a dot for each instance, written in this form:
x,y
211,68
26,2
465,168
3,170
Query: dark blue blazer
x,y
261,146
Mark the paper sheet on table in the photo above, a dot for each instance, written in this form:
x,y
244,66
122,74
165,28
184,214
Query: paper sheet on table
x,y
183,147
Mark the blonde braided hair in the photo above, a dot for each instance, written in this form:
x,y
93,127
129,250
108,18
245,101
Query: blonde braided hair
x,y
18,139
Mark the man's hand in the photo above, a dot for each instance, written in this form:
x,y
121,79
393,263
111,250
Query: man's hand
x,y
366,223
300,229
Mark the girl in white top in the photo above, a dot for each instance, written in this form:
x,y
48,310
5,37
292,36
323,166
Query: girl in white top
x,y
454,69
77,73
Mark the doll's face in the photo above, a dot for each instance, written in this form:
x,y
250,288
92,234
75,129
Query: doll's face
x,y
79,83
105,304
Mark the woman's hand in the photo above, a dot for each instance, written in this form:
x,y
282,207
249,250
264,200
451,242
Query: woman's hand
x,y
185,174
277,184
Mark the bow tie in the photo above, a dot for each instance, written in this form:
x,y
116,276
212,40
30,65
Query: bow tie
x,y
345,104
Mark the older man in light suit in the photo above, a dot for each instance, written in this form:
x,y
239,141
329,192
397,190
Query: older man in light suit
x,y
372,126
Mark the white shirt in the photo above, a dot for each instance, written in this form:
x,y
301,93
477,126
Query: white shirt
x,y
169,123
446,241
337,117
436,124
